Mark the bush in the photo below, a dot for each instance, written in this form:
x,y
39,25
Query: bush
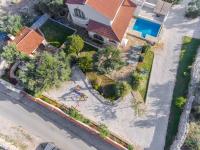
x,y
85,63
103,130
135,80
122,89
130,147
180,102
74,44
141,58
145,48
96,83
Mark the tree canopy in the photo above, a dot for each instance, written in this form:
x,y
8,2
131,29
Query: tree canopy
x,y
11,24
74,44
108,59
11,54
193,9
45,71
52,7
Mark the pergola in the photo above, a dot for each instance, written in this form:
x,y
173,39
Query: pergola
x,y
162,8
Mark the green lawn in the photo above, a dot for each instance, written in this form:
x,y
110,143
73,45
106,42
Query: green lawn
x,y
147,66
55,33
187,57
87,47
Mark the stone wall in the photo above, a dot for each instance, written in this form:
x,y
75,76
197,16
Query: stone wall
x,y
192,95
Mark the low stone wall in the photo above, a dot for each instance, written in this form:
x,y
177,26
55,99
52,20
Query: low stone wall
x,y
192,94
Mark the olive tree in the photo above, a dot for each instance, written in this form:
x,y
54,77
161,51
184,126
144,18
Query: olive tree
x,y
11,24
108,59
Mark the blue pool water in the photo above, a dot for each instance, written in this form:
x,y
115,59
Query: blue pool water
x,y
146,27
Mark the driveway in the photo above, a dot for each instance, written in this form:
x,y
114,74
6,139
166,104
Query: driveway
x,y
44,126
148,131
164,73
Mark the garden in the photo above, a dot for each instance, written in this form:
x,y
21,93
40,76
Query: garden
x,y
97,66
56,33
187,57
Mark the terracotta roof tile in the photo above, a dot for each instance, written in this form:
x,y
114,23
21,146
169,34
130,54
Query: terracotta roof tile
x,y
108,8
119,26
28,40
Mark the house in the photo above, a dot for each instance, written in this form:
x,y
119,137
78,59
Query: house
x,y
105,20
28,41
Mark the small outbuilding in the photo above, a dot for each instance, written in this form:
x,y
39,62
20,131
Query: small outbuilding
x,y
28,40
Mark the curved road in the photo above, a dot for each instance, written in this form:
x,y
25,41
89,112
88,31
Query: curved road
x,y
47,125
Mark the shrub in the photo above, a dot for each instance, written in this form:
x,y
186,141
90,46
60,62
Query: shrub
x,y
96,83
103,130
74,44
180,102
85,63
122,89
141,58
135,80
130,147
145,48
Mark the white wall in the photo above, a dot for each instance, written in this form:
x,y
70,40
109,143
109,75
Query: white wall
x,y
89,12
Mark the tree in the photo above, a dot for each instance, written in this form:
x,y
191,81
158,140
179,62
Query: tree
x,y
180,102
135,80
74,44
85,63
45,71
11,24
11,54
108,59
52,7
193,9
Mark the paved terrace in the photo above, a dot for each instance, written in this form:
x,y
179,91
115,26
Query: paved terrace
x,y
148,131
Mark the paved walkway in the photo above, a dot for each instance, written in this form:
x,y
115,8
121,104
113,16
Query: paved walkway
x,y
148,131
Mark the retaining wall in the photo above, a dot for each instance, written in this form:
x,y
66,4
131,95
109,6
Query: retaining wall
x,y
184,120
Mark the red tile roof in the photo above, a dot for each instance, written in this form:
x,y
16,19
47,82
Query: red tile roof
x,y
28,40
107,8
119,26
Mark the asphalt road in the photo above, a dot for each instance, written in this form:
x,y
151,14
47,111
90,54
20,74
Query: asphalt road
x,y
47,125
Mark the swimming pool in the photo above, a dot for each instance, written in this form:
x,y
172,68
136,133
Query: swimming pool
x,y
146,27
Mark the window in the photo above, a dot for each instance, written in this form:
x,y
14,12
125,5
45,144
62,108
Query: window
x,y
98,37
79,13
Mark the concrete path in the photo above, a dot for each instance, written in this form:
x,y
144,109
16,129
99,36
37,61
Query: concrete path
x,y
45,125
164,72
